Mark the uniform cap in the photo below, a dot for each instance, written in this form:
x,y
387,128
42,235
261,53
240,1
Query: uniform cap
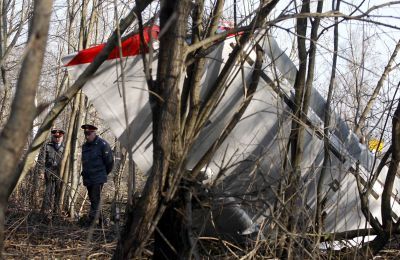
x,y
57,132
88,127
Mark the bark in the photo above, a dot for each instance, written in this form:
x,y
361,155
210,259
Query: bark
x,y
173,239
131,165
139,227
364,204
311,59
3,41
6,94
93,21
361,122
119,169
392,171
75,170
19,124
388,227
191,89
296,139
327,128
82,28
190,92
64,170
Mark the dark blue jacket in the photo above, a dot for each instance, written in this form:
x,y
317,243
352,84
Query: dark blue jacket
x,y
97,161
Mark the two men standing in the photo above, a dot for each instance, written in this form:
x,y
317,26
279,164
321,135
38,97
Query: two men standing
x,y
97,163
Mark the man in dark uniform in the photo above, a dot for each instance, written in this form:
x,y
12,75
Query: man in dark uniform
x,y
51,156
97,163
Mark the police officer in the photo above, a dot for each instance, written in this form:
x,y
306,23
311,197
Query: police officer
x,y
51,156
97,163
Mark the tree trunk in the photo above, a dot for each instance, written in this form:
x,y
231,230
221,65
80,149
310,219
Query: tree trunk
x,y
64,169
19,124
292,194
361,122
327,121
173,238
6,97
75,171
388,227
167,162
169,144
3,43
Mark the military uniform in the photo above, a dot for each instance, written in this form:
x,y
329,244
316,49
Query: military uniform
x,y
97,163
51,156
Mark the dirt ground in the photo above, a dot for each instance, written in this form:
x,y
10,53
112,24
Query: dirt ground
x,y
29,234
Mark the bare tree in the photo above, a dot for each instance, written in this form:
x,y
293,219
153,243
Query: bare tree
x,y
170,146
11,27
327,123
18,126
389,67
71,173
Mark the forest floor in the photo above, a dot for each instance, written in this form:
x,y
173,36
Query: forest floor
x,y
32,235
29,234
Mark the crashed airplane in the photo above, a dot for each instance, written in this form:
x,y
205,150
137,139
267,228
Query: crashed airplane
x,y
248,166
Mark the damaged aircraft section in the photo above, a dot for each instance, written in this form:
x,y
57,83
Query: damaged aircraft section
x,y
244,174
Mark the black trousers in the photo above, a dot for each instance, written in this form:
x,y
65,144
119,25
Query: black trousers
x,y
94,192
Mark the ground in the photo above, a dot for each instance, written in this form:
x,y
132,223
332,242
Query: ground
x,y
29,234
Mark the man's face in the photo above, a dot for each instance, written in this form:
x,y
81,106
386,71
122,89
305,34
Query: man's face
x,y
90,135
57,138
